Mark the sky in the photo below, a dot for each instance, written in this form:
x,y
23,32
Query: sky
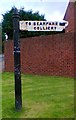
x,y
52,9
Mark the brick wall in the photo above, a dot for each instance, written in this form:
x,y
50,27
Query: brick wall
x,y
44,55
8,56
70,16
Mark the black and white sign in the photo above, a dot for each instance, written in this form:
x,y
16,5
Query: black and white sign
x,y
43,25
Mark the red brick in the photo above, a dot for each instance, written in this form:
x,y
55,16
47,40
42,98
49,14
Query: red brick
x,y
44,55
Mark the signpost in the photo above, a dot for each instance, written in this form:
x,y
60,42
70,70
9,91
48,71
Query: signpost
x,y
17,71
43,25
28,26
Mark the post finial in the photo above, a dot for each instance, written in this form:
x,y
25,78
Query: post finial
x,y
15,12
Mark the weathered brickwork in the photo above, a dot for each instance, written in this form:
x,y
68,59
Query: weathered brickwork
x,y
47,55
44,55
8,56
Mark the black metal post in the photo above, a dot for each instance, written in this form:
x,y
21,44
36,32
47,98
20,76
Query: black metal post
x,y
17,71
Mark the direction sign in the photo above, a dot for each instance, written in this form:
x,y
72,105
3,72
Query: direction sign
x,y
43,25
